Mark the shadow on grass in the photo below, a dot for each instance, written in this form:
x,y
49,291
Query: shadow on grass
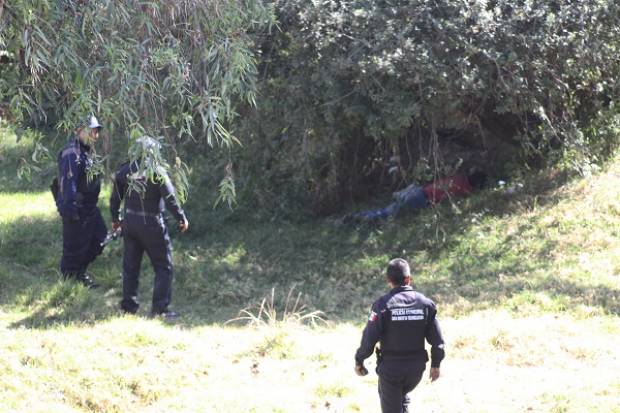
x,y
62,304
30,279
32,242
339,269
222,267
575,294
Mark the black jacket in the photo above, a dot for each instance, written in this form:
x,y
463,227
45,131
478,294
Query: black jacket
x,y
77,194
401,320
151,201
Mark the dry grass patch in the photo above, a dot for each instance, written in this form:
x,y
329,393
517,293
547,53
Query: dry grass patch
x,y
496,363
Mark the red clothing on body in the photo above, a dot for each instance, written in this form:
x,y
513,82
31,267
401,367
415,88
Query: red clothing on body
x,y
438,190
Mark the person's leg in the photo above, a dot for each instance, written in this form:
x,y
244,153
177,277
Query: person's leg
x,y
416,198
377,214
96,231
390,394
159,250
412,379
72,262
92,233
132,259
390,210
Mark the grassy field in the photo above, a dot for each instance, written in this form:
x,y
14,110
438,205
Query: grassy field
x,y
527,285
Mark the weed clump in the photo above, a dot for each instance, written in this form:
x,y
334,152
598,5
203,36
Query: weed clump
x,y
270,313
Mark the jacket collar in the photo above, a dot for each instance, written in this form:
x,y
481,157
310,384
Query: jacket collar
x,y
401,288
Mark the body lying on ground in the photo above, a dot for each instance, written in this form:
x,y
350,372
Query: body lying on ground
x,y
416,197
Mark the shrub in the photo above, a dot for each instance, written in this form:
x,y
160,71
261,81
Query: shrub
x,y
347,84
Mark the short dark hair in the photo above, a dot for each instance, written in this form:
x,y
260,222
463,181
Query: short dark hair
x,y
398,270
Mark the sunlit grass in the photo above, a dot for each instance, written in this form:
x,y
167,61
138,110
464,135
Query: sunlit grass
x,y
527,287
497,363
26,205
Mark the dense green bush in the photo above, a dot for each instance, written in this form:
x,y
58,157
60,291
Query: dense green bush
x,y
347,84
343,85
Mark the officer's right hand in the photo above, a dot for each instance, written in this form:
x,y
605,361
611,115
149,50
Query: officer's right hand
x,y
434,374
360,370
184,225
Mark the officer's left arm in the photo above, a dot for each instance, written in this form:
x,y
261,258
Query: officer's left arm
x,y
118,193
68,171
167,192
371,335
434,337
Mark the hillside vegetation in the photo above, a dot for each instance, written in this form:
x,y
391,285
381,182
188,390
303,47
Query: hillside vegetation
x,y
527,285
322,94
302,111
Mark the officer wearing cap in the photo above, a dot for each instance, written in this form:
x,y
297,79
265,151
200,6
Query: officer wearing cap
x,y
76,191
143,226
400,320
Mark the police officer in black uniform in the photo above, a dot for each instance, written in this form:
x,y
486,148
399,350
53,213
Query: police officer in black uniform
x,y
144,230
400,320
76,192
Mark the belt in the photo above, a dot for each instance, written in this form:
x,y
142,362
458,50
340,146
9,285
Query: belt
x,y
142,213
403,354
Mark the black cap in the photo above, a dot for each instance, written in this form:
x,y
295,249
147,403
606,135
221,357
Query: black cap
x,y
398,269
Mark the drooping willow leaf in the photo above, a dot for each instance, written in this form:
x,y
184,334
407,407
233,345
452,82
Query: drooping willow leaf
x,y
173,68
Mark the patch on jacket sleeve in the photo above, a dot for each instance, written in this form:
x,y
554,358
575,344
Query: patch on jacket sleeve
x,y
373,316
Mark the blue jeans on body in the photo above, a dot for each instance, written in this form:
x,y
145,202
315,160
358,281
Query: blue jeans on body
x,y
412,197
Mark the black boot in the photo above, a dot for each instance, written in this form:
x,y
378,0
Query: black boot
x,y
86,281
130,306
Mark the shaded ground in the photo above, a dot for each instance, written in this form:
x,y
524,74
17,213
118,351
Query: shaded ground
x,y
481,257
527,286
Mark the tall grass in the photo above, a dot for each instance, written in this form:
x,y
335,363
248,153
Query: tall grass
x,y
526,283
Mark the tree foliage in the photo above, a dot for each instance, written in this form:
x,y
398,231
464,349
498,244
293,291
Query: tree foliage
x,y
343,85
346,84
172,68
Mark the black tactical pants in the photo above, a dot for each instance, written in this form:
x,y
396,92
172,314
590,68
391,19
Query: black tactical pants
x,y
146,234
81,241
396,379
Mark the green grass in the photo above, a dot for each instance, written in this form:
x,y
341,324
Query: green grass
x,y
527,285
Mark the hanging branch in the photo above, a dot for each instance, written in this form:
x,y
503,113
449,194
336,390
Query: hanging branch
x,y
174,68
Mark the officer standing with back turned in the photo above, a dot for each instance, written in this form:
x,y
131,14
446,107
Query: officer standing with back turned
x,y
400,320
76,191
143,226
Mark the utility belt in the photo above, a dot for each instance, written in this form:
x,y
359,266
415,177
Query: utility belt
x,y
396,354
143,213
86,200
